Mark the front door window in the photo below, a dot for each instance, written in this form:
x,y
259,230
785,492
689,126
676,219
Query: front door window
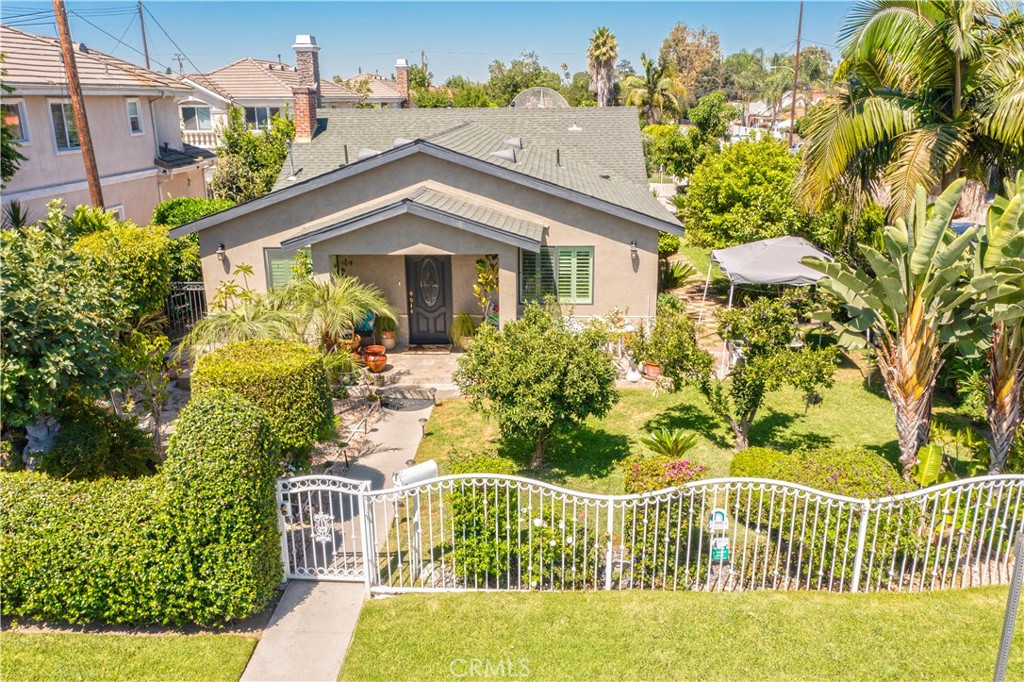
x,y
430,284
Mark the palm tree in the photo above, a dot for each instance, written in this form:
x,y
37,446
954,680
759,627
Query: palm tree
x,y
601,58
255,318
999,284
744,76
910,303
934,90
654,91
328,311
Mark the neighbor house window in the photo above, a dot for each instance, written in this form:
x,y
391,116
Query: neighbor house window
x,y
281,265
14,118
565,272
258,118
135,117
196,118
116,210
65,130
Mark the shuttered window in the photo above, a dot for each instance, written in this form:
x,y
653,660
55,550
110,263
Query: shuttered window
x,y
280,266
565,272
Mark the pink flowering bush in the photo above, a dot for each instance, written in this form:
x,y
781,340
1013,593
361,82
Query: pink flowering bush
x,y
644,474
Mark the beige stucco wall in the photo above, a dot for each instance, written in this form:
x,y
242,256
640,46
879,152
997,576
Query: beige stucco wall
x,y
620,280
128,175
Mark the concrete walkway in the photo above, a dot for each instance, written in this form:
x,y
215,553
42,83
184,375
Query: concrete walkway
x,y
309,634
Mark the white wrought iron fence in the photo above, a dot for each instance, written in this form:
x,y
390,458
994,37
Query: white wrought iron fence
x,y
494,532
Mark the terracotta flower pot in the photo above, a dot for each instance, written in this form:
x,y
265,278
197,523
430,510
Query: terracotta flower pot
x,y
376,362
652,370
374,349
387,339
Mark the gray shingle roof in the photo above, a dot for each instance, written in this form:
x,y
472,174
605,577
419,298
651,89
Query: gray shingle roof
x,y
459,208
597,152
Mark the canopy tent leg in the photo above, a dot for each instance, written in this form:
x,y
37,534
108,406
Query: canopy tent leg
x,y
704,296
725,345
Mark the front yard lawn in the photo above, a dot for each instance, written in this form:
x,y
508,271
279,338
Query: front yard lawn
x,y
26,657
849,416
663,635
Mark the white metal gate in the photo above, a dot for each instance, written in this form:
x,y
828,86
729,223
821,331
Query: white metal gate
x,y
326,528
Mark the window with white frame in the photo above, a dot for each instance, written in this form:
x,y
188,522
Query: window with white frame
x,y
196,118
258,118
13,114
565,272
65,130
134,116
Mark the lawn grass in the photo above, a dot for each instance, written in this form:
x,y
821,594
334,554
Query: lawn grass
x,y
700,258
665,635
586,459
33,657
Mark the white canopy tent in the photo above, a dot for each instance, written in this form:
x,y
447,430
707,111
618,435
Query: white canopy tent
x,y
769,261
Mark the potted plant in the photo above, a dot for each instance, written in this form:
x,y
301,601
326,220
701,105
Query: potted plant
x,y
640,347
462,330
376,358
387,329
343,368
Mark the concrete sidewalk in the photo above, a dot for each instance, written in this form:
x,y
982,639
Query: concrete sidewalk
x,y
309,634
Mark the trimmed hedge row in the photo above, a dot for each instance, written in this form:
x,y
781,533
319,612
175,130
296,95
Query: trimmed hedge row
x,y
286,380
93,443
196,543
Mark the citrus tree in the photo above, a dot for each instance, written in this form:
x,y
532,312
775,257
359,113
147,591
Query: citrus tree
x,y
911,301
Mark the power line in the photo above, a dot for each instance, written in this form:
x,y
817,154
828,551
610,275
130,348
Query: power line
x,y
181,51
105,32
120,41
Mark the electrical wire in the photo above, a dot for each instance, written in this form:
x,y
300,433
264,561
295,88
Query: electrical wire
x,y
120,41
177,47
104,31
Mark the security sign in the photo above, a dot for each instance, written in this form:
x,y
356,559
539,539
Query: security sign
x,y
720,548
718,522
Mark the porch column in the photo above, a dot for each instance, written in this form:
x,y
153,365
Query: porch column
x,y
508,286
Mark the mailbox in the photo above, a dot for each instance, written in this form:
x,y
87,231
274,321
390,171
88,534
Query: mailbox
x,y
415,474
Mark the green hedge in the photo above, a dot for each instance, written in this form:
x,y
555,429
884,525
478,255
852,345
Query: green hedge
x,y
757,462
93,443
196,543
286,380
174,212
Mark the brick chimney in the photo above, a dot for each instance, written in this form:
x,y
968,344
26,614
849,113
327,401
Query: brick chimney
x,y
402,79
307,63
304,103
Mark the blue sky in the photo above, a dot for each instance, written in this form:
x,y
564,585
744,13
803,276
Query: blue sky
x,y
458,37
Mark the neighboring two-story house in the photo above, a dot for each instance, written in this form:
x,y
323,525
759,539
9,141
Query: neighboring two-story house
x,y
263,89
133,118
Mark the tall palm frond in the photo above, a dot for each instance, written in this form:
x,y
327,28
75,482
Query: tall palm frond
x,y
655,92
247,321
327,311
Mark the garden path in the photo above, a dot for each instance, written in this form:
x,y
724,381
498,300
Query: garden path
x,y
312,626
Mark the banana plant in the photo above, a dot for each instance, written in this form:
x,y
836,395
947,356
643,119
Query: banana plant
x,y
910,301
998,290
928,470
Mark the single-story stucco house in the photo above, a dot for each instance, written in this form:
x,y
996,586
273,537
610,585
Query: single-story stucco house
x,y
410,199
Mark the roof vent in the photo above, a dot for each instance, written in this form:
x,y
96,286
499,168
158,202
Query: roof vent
x,y
365,153
506,154
605,176
515,142
83,48
575,128
399,141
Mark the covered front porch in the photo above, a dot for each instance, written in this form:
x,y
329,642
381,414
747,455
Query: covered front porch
x,y
421,247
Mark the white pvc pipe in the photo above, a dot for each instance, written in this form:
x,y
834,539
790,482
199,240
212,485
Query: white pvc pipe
x,y
704,296
721,366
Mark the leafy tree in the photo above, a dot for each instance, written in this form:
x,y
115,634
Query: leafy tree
x,y
767,329
10,157
666,148
911,301
578,92
141,356
744,76
249,162
58,323
654,91
186,264
601,56
536,376
509,80
687,52
743,194
932,92
711,116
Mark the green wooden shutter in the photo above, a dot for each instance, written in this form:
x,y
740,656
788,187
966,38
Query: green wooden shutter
x,y
279,266
536,275
575,275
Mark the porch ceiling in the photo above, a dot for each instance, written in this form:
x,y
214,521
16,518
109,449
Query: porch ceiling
x,y
432,204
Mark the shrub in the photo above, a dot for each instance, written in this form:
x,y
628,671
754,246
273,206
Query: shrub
x,y
647,473
222,464
854,473
196,543
555,550
93,443
284,379
670,303
668,244
482,552
758,462
186,265
136,260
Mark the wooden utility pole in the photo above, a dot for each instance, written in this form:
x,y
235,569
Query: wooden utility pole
x,y
145,44
796,75
92,174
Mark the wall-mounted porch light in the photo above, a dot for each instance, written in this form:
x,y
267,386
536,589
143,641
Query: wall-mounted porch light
x,y
632,248
220,251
